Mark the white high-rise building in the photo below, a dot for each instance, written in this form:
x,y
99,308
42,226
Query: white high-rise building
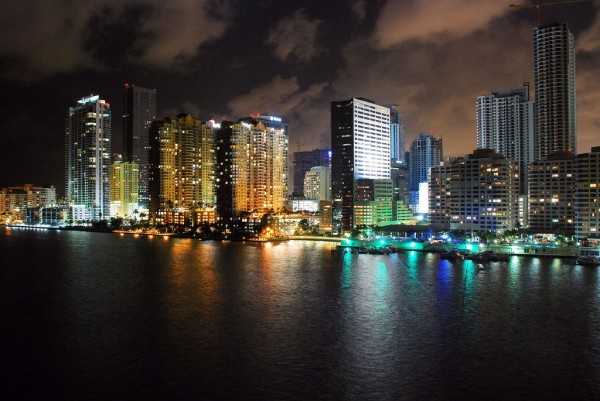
x,y
317,183
360,139
505,124
87,157
555,98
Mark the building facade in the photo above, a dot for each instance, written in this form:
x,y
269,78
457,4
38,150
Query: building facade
x,y
124,189
552,193
360,142
440,195
400,181
587,199
88,156
555,96
139,110
373,204
397,136
184,177
478,192
317,183
303,161
251,168
14,200
505,123
425,151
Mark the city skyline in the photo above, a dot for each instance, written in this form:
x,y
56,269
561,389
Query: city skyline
x,y
305,56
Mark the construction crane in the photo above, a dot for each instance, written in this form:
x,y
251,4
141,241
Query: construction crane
x,y
538,7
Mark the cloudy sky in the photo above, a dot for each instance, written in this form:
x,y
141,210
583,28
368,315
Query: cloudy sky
x,y
230,58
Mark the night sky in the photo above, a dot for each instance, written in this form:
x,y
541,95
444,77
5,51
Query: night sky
x,y
227,59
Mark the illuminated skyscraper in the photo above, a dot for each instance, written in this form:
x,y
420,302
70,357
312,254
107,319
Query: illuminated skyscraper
x,y
87,158
185,155
317,183
425,151
206,164
139,110
124,189
555,98
360,143
505,124
251,167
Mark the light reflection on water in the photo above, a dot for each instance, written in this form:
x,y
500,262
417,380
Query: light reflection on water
x,y
130,318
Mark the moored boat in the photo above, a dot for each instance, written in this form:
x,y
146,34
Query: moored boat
x,y
489,256
587,261
452,254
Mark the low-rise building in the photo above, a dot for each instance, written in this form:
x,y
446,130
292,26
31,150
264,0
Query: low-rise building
x,y
552,193
478,192
587,198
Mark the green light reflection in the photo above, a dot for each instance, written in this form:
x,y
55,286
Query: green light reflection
x,y
346,279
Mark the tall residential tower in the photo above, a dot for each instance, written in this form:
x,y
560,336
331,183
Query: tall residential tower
x,y
87,158
505,124
251,167
139,110
554,72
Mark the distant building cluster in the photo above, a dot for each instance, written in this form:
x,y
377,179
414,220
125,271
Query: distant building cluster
x,y
524,173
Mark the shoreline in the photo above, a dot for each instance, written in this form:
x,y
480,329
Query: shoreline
x,y
404,245
174,235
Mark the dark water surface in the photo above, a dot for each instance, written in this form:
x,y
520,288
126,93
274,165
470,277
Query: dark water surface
x,y
89,316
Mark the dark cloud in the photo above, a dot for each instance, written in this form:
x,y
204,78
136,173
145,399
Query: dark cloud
x,y
68,36
589,40
295,37
176,29
281,96
227,59
359,8
112,34
434,20
52,40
